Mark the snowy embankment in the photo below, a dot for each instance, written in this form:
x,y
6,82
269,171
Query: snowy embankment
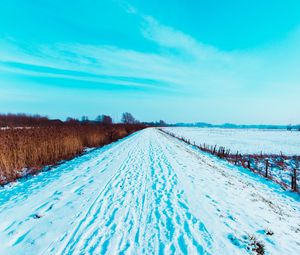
x,y
271,153
148,194
245,141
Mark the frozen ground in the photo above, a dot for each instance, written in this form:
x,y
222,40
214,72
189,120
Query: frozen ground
x,y
244,140
148,194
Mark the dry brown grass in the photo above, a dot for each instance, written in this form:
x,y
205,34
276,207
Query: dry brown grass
x,y
34,148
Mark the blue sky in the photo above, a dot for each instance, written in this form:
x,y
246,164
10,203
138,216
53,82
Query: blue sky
x,y
214,61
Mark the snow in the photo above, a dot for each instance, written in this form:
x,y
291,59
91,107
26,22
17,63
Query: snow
x,y
147,194
244,140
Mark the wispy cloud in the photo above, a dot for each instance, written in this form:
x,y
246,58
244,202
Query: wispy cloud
x,y
179,65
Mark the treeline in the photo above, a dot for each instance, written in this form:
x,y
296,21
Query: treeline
x,y
25,120
38,141
236,126
293,127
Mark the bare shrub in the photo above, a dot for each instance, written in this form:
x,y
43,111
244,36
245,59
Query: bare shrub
x,y
256,246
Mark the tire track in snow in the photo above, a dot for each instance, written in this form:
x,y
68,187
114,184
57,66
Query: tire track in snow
x,y
147,217
178,228
82,226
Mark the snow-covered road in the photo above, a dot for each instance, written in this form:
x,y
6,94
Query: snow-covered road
x,y
148,194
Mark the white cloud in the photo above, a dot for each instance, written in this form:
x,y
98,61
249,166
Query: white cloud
x,y
181,64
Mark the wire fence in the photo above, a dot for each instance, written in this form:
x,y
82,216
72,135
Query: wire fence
x,y
281,169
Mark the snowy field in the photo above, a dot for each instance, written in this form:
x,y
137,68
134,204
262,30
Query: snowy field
x,y
244,140
148,194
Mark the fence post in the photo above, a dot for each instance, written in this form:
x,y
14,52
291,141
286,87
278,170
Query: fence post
x,y
236,157
294,177
267,166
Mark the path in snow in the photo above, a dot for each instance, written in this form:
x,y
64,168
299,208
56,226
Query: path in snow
x,y
147,194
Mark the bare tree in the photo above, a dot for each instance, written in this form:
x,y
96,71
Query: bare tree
x,y
127,118
162,123
104,119
107,120
99,118
70,120
84,119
